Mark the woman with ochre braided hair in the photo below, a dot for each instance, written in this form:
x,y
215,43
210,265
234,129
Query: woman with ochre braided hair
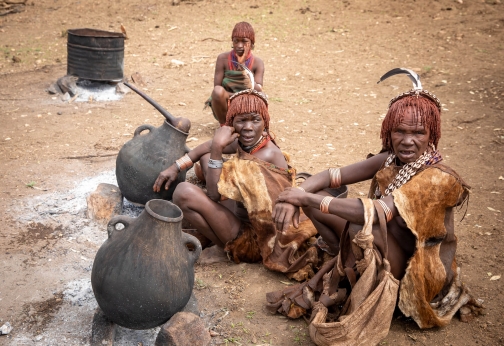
x,y
235,213
417,194
236,70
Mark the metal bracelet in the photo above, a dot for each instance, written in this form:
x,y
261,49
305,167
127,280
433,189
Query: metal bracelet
x,y
215,163
335,177
324,205
184,162
386,209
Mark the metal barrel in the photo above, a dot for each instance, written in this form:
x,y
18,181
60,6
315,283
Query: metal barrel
x,y
95,54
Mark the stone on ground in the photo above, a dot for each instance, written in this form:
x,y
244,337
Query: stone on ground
x,y
183,329
105,202
213,254
103,330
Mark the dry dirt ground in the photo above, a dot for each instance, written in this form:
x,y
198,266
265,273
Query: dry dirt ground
x,y
322,60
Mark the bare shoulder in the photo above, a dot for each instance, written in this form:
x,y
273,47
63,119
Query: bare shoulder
x,y
222,59
223,55
258,62
272,154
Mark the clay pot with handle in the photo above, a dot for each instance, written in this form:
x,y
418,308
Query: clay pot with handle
x,y
142,158
144,273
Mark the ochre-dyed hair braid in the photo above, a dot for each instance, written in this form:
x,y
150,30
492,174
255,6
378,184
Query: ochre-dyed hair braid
x,y
247,103
244,30
423,108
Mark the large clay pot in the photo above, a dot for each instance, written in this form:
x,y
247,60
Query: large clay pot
x,y
142,158
143,274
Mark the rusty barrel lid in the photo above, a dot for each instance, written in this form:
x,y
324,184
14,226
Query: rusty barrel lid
x,y
95,54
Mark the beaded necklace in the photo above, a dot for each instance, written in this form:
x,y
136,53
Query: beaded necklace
x,y
406,172
257,146
233,61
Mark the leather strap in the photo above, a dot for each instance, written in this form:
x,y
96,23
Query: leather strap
x,y
383,226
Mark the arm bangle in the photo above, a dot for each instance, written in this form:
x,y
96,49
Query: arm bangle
x,y
335,175
324,205
184,162
215,163
386,209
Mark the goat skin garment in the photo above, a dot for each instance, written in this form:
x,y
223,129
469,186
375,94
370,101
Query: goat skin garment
x,y
256,184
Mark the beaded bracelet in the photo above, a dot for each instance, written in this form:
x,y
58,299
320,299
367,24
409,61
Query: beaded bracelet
x,y
324,205
184,162
335,175
299,187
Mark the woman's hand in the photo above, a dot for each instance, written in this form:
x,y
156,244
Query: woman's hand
x,y
293,196
287,208
224,136
169,175
246,52
284,214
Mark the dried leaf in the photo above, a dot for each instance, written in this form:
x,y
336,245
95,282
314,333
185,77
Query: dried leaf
x,y
495,277
492,209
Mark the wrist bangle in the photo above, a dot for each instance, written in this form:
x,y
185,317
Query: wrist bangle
x,y
335,175
324,205
299,187
184,162
178,166
215,163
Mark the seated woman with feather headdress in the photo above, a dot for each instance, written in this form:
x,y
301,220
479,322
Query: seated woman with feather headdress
x,y
414,194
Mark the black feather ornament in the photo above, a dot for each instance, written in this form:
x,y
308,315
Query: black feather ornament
x,y
415,78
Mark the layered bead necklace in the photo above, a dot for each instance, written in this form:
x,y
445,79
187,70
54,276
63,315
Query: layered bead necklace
x,y
406,172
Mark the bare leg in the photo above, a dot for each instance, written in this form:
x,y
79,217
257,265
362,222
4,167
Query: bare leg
x,y
330,227
213,220
219,103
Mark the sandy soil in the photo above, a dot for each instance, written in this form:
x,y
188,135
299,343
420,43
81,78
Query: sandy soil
x,y
322,60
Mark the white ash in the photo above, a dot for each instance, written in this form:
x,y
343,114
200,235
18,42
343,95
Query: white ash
x,y
96,91
80,293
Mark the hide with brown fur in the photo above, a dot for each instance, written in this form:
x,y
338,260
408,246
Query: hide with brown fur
x,y
256,184
425,203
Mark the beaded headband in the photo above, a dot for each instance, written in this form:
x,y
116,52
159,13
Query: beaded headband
x,y
261,95
417,86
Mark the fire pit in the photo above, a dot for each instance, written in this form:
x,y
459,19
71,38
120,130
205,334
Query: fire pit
x,y
95,67
95,54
